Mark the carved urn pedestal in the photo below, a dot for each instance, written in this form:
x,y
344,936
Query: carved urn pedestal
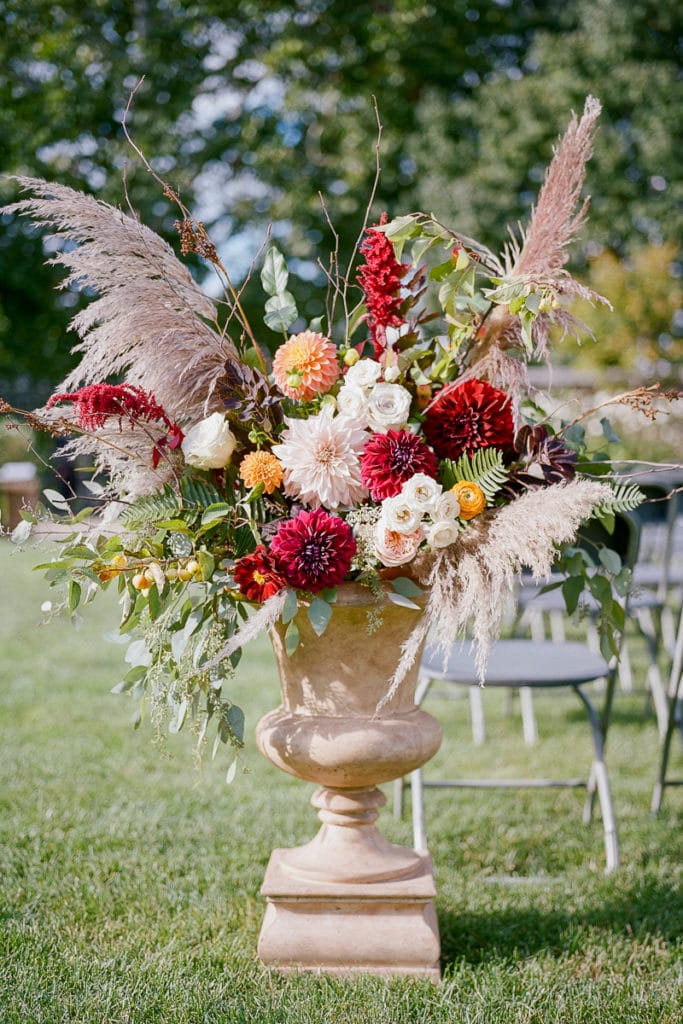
x,y
349,901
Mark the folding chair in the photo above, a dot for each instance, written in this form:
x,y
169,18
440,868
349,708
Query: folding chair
x,y
674,719
533,665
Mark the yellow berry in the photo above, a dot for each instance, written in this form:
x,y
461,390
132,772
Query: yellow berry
x,y
141,582
351,357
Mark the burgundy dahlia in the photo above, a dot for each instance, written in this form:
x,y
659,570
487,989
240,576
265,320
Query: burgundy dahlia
x,y
256,575
468,416
313,550
380,279
390,459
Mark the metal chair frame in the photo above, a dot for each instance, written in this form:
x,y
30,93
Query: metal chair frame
x,y
674,718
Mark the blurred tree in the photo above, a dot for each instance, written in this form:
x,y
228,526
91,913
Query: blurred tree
x,y
252,109
628,55
638,334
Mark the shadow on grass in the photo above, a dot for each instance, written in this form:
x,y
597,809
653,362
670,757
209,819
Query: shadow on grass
x,y
649,910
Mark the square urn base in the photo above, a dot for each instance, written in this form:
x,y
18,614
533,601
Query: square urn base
x,y
385,928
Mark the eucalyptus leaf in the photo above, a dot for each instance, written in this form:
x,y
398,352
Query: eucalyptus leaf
x,y
56,499
281,312
291,606
403,602
319,615
611,560
274,275
407,587
292,638
231,772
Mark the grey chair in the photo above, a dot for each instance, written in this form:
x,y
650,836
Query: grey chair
x,y
532,665
674,721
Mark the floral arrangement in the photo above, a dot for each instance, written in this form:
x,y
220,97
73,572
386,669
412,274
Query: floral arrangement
x,y
395,442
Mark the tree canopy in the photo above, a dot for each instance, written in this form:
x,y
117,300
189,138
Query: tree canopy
x,y
253,110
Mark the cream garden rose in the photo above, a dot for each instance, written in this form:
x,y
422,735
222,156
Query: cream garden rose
x,y
388,407
394,548
400,516
210,443
352,401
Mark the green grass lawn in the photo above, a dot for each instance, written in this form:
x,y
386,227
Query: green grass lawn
x,y
129,880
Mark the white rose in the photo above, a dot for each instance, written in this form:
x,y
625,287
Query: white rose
x,y
210,443
442,533
388,407
447,507
400,516
393,548
363,374
352,401
422,492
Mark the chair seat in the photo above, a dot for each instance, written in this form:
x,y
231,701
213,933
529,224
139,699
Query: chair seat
x,y
516,663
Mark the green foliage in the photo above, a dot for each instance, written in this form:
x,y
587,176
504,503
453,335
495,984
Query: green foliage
x,y
484,467
624,498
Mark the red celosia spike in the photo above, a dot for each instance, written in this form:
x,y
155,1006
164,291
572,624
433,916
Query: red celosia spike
x,y
380,279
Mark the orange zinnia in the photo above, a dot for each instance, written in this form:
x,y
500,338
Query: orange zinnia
x,y
470,497
261,468
305,366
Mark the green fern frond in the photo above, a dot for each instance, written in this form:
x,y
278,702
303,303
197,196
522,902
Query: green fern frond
x,y
624,498
484,468
162,505
199,493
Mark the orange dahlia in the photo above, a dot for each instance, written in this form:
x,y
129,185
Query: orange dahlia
x,y
261,468
306,366
470,497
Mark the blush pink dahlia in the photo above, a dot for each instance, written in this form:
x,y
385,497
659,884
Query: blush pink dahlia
x,y
390,459
305,366
467,417
313,550
321,459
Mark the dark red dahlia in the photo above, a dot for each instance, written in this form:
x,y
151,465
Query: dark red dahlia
x,y
468,416
313,550
380,279
256,575
390,459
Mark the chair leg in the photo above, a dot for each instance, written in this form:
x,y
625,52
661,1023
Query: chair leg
x,y
658,791
417,797
526,703
477,716
599,782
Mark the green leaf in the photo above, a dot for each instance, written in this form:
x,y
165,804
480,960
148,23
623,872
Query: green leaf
x,y
281,312
611,560
207,562
292,638
484,468
575,437
601,590
235,719
74,595
572,589
231,772
319,614
153,602
216,512
407,587
175,525
608,431
274,275
463,261
56,499
291,606
532,302
401,601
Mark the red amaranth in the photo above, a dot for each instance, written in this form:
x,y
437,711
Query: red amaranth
x,y
96,403
380,278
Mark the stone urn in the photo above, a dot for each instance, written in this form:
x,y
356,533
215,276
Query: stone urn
x,y
349,901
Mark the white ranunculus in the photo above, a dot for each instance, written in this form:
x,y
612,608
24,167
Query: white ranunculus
x,y
352,401
363,374
442,533
421,492
400,516
447,507
388,407
210,443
